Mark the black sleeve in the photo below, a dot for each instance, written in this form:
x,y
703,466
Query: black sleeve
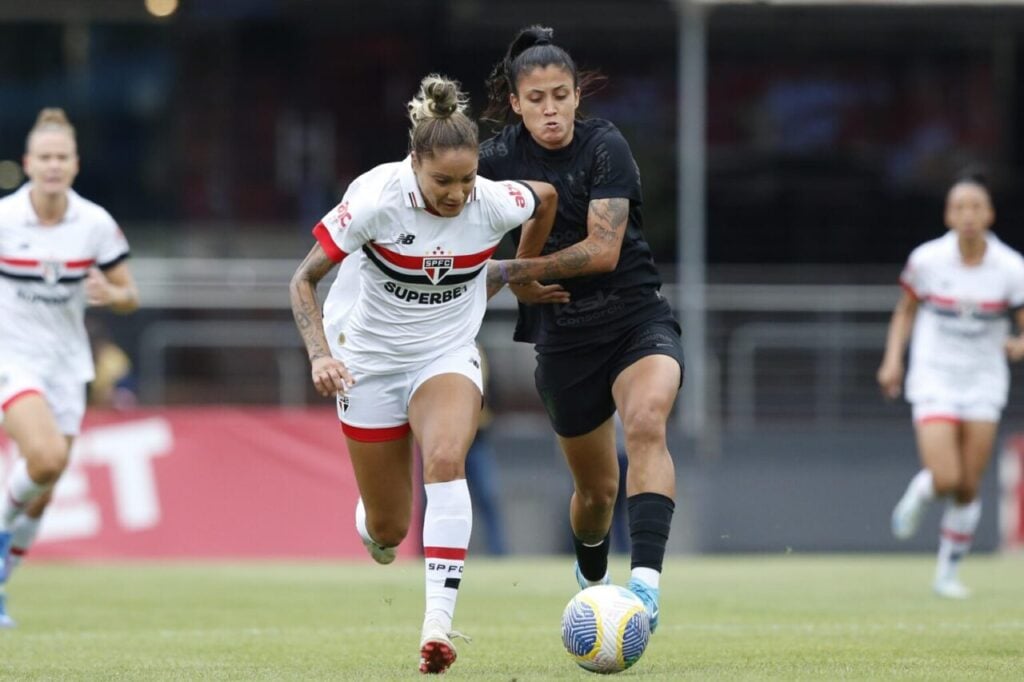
x,y
614,172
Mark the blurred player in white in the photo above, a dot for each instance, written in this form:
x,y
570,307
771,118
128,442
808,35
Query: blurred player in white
x,y
395,341
59,253
960,292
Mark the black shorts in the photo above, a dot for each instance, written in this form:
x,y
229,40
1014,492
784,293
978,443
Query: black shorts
x,y
576,385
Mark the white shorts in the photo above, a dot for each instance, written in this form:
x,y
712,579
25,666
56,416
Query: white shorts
x,y
376,409
955,411
66,399
956,396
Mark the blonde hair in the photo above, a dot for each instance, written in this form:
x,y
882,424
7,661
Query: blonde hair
x,y
439,119
51,119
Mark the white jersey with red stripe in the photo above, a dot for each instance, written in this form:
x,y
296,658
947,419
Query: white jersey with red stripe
x,y
963,319
414,286
42,298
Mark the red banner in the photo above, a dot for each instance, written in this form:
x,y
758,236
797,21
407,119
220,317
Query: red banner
x,y
1011,498
205,482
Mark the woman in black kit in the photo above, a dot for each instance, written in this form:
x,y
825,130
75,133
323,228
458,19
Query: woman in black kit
x,y
615,345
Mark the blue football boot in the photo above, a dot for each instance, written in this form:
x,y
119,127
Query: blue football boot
x,y
649,596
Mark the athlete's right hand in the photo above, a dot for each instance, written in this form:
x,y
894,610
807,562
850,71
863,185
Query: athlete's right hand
x,y
890,378
330,376
535,292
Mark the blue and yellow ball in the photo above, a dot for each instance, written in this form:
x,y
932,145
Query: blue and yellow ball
x,y
605,628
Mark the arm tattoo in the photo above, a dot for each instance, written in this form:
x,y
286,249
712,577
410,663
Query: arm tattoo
x,y
606,219
494,283
606,228
305,307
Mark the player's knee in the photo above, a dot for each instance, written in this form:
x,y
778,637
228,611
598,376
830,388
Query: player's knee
x,y
599,499
946,482
443,463
46,457
387,532
644,428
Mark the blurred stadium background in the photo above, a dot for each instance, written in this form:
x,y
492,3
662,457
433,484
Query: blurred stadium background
x,y
218,131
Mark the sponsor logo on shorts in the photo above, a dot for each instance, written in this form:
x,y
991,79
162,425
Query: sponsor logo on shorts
x,y
655,338
343,403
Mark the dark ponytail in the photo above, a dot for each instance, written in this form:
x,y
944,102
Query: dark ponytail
x,y
532,48
974,175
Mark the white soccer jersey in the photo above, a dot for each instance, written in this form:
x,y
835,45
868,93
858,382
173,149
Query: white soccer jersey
x,y
42,299
957,348
415,286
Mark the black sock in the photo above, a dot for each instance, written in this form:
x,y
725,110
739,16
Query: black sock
x,y
593,561
650,519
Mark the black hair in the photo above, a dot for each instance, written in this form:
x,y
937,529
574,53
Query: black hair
x,y
974,175
532,48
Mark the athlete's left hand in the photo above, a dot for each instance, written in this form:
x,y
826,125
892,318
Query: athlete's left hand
x,y
1015,348
98,289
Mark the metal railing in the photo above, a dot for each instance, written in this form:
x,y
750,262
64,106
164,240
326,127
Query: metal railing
x,y
773,349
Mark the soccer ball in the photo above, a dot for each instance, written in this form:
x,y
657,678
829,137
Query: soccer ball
x,y
605,628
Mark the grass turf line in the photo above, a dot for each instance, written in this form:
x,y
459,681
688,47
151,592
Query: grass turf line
x,y
783,617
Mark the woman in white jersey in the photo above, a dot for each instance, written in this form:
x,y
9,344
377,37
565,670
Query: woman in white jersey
x,y
59,253
396,339
960,292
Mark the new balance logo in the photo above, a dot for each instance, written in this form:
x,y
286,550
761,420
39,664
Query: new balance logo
x,y
405,239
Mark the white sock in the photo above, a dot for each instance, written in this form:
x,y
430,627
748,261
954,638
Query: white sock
x,y
646,575
361,523
23,534
956,533
923,486
21,490
447,525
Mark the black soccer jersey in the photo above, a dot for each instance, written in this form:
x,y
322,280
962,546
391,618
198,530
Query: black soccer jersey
x,y
597,164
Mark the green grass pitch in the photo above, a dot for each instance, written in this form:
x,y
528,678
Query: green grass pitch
x,y
782,617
